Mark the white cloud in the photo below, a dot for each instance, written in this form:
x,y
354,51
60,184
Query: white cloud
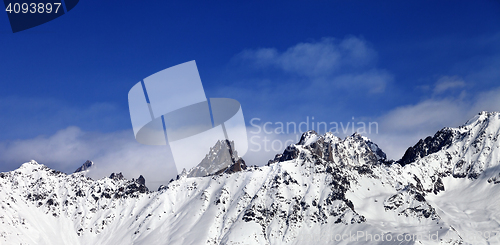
x,y
346,64
375,80
446,83
424,115
314,59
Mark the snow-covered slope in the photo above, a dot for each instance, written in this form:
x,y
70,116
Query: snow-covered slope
x,y
322,190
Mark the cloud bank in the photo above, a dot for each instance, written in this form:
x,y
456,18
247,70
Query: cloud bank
x,y
344,64
69,148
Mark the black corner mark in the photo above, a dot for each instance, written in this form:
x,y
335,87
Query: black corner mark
x,y
70,4
25,14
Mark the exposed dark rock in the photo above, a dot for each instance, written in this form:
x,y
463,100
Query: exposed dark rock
x,y
289,153
443,138
141,180
88,164
117,176
217,160
223,158
438,186
495,180
236,167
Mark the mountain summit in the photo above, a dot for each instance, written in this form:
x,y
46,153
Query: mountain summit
x,y
86,166
222,157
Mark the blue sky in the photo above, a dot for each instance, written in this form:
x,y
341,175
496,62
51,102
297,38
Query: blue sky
x,y
412,66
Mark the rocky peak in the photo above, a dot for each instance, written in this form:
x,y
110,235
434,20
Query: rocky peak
x,y
137,185
482,117
355,149
141,180
117,176
222,156
308,137
86,166
442,139
477,132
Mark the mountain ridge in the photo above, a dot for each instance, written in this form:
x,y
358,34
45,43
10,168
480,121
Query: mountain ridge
x,y
321,183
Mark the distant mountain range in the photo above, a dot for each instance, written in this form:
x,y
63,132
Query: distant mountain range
x,y
322,190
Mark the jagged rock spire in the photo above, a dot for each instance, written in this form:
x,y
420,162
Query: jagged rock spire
x,y
85,166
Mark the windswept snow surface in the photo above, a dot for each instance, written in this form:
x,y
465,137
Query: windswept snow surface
x,y
322,190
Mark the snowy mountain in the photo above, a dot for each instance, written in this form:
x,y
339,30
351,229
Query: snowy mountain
x,y
322,190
